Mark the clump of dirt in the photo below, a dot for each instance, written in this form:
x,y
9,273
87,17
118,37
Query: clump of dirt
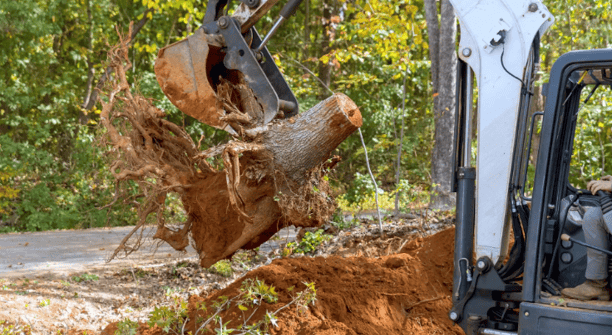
x,y
404,293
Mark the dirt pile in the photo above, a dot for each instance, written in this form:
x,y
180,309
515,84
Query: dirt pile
x,y
405,293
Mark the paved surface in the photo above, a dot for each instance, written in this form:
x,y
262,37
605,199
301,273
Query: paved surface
x,y
59,253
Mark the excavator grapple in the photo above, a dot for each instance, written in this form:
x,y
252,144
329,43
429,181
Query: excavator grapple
x,y
226,49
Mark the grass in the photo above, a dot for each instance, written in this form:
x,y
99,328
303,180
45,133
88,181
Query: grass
x,y
85,277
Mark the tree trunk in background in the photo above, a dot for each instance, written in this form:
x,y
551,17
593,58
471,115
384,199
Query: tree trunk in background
x,y
329,32
537,105
442,43
83,117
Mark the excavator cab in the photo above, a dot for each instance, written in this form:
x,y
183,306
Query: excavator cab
x,y
520,293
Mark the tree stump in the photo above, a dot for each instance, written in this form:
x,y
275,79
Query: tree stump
x,y
273,174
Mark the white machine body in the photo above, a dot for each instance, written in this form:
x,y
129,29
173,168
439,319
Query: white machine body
x,y
498,102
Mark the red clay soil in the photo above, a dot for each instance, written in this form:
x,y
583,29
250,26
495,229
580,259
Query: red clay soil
x,y
405,293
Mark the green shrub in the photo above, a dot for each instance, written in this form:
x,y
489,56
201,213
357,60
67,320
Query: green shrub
x,y
222,268
309,242
41,191
169,318
126,327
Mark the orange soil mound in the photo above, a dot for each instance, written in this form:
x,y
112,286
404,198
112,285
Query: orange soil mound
x,y
406,293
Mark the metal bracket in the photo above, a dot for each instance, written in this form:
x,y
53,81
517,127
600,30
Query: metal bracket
x,y
261,78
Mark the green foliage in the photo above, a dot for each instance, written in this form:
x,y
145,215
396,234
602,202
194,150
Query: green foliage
x,y
254,291
339,222
40,191
126,327
592,156
169,318
222,268
85,277
309,242
7,328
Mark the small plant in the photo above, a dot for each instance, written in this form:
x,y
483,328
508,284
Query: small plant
x,y
309,242
254,291
126,327
340,223
222,268
10,329
65,283
85,277
169,318
44,303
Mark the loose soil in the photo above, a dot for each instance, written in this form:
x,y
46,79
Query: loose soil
x,y
367,283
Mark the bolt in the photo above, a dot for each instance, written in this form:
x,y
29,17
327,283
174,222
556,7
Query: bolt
x,y
453,316
467,52
223,22
526,313
481,264
533,7
252,3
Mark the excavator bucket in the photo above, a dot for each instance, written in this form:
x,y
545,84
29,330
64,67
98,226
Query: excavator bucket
x,y
182,70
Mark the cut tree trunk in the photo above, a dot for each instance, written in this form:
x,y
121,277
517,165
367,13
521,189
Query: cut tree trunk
x,y
280,183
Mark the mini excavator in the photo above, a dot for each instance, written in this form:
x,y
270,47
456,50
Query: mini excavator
x,y
518,237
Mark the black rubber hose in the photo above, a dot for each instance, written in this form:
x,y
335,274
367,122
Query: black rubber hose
x,y
517,252
562,220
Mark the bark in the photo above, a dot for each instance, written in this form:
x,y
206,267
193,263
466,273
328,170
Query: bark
x,y
329,31
303,143
399,148
277,179
83,117
433,32
444,109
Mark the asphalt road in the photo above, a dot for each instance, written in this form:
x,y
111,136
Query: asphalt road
x,y
59,253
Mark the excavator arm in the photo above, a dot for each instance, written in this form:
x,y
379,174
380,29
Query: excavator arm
x,y
496,40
